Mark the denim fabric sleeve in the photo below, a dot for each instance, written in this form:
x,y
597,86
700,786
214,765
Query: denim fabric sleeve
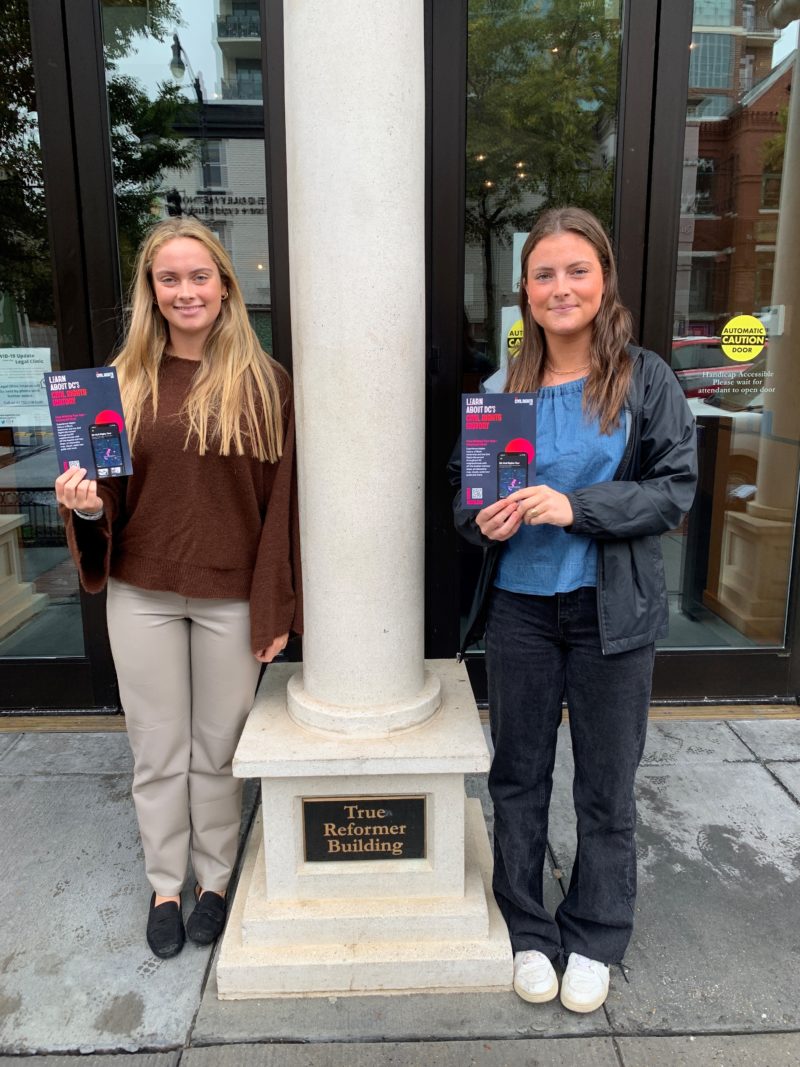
x,y
665,488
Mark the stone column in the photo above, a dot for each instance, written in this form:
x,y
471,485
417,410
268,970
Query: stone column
x,y
777,455
355,140
370,869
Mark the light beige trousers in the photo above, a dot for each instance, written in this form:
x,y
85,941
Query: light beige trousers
x,y
187,679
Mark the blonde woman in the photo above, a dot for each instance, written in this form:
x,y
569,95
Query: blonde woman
x,y
573,586
200,555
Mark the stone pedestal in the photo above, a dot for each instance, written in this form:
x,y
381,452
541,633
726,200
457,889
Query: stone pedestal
x,y
420,917
18,601
754,575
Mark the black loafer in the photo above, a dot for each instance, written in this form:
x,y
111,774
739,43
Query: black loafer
x,y
205,923
165,934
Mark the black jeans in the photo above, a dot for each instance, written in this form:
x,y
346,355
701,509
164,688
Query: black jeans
x,y
541,650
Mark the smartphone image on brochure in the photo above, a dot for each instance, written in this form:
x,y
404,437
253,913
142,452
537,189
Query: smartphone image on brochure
x,y
512,473
106,449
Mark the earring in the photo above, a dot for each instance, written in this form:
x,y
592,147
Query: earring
x,y
224,296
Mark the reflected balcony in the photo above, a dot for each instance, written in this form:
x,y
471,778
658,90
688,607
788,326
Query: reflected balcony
x,y
245,27
757,27
242,89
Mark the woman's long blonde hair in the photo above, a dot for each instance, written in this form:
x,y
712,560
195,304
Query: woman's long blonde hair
x,y
610,366
234,404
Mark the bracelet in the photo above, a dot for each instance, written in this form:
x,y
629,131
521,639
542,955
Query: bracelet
x,y
89,516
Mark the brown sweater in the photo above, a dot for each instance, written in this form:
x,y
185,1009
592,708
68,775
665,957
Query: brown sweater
x,y
202,526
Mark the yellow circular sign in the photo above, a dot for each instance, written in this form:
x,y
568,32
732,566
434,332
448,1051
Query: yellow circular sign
x,y
743,337
514,339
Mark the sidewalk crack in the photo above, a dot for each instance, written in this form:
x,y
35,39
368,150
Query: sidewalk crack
x,y
617,1051
237,868
766,765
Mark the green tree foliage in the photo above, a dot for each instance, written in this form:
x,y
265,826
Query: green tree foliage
x,y
142,139
541,98
24,259
143,142
143,146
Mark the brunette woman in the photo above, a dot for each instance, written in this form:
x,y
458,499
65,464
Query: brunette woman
x,y
573,586
199,552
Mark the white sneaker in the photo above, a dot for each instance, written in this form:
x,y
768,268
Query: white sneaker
x,y
534,977
584,986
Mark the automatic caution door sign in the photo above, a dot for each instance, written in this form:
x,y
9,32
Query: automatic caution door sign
x,y
743,337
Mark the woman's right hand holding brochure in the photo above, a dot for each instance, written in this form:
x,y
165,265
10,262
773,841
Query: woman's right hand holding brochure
x,y
77,492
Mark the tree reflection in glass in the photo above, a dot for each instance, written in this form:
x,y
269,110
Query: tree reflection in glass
x,y
144,144
542,90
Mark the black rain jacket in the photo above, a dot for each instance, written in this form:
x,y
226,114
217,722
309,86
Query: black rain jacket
x,y
650,493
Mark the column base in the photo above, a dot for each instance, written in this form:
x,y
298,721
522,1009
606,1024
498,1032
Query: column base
x,y
370,871
379,721
361,946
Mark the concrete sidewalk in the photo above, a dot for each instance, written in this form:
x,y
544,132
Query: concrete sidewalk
x,y
711,976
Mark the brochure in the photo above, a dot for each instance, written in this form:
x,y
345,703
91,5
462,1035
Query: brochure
x,y
498,450
88,426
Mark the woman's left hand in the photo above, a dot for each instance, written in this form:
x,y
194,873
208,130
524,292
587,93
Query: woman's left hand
x,y
268,654
539,504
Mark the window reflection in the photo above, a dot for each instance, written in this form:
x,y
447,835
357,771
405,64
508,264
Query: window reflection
x,y
728,568
542,92
40,612
542,102
184,83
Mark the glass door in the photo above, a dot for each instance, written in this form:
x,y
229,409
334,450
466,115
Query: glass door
x,y
41,618
186,114
735,336
542,113
694,137
113,115
531,105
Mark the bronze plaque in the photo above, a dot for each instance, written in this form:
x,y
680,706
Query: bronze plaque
x,y
364,828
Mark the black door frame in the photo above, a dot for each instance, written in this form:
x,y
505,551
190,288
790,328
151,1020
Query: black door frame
x,y
652,118
68,61
446,74
447,61
86,682
752,675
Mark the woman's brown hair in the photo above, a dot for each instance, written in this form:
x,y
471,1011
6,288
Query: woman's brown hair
x,y
610,366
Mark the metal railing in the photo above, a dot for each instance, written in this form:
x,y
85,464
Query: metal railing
x,y
755,22
43,525
232,26
242,89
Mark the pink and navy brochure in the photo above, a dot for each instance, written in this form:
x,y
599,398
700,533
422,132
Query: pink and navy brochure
x,y
88,426
498,449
